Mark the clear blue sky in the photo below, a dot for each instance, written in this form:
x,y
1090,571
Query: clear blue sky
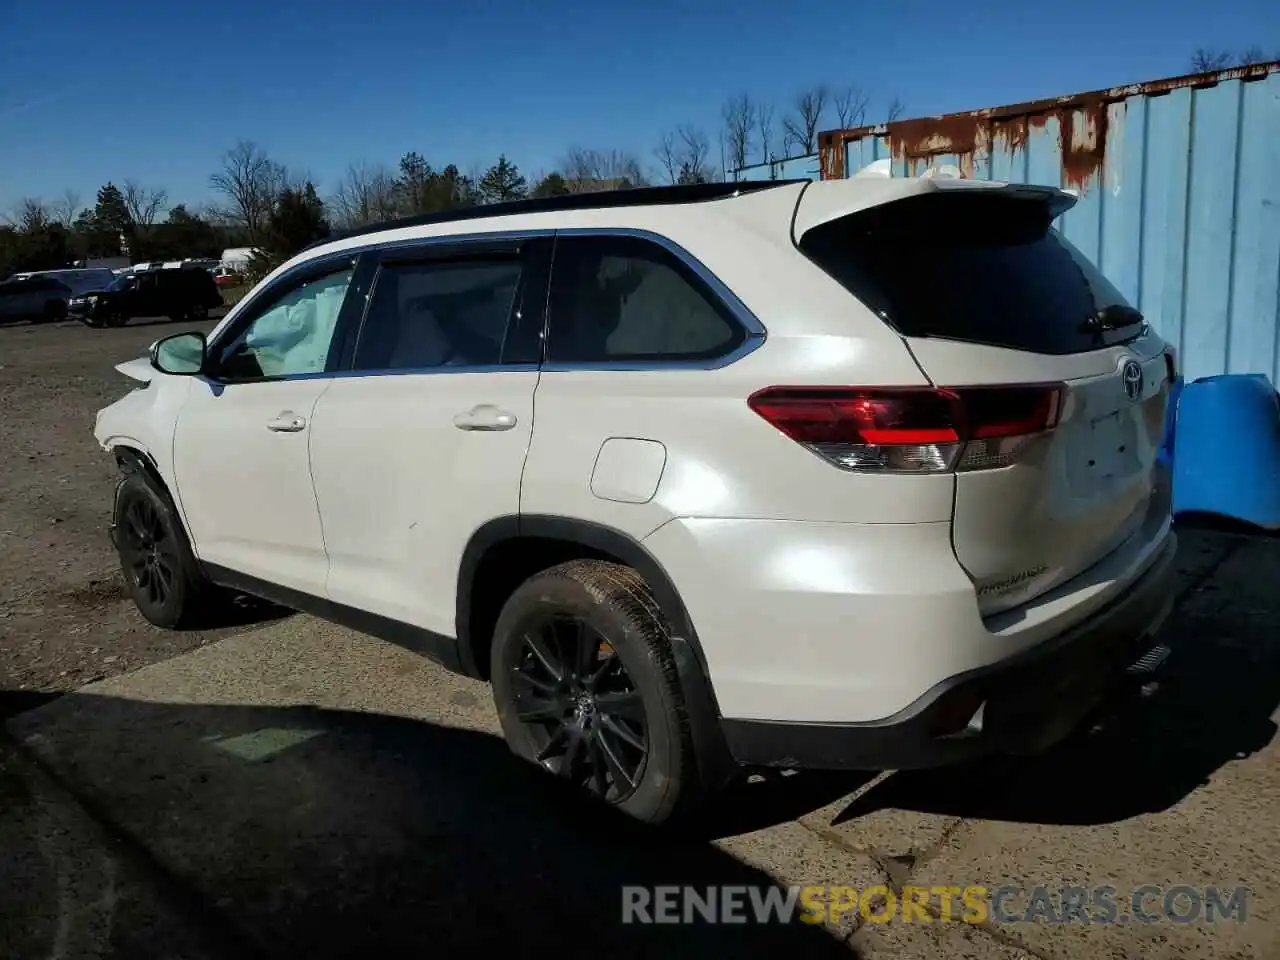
x,y
156,91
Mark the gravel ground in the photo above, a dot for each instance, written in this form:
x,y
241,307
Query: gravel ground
x,y
64,617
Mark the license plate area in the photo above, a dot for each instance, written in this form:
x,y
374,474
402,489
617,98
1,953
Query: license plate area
x,y
1106,446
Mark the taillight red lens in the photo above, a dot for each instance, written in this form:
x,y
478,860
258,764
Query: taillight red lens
x,y
911,429
1009,411
858,416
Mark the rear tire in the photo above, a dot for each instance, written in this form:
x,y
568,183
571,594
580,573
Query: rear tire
x,y
199,313
585,687
54,311
116,318
160,570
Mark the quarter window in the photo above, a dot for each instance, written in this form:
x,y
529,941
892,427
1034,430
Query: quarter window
x,y
618,299
292,336
440,313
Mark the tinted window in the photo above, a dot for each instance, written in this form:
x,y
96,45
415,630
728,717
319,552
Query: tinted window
x,y
438,314
291,336
623,298
978,268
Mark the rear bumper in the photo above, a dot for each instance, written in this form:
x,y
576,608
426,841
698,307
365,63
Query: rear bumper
x,y
1022,704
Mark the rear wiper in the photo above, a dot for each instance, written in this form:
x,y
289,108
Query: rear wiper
x,y
1116,316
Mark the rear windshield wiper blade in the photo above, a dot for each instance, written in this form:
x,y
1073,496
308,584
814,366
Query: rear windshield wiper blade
x,y
1117,316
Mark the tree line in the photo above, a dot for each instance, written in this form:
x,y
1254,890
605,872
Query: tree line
x,y
264,204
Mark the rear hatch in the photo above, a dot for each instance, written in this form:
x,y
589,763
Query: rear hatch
x,y
1056,469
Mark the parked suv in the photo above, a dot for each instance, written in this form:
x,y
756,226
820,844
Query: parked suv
x,y
33,297
854,474
180,293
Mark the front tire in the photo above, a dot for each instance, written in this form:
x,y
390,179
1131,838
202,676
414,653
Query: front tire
x,y
114,318
585,687
160,570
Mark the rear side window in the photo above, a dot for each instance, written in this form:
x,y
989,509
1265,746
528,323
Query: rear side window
x,y
619,299
977,268
438,314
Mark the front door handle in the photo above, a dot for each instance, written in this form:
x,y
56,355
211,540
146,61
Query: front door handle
x,y
485,417
287,423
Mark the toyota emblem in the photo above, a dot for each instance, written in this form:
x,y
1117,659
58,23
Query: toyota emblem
x,y
1132,376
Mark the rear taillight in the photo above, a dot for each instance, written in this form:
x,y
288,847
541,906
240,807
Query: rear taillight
x,y
912,430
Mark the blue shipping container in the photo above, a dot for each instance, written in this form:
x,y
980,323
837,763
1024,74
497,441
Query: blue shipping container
x,y
1179,195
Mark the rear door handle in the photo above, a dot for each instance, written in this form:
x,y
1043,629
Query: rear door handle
x,y
485,417
287,423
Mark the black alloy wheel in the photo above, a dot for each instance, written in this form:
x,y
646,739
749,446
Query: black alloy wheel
x,y
583,712
150,555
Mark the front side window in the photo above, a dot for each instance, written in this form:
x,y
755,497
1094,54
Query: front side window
x,y
619,299
291,336
441,313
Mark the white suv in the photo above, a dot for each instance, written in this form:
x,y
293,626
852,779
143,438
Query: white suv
x,y
854,474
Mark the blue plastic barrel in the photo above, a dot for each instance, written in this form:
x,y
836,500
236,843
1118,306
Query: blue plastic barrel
x,y
1224,443
1165,453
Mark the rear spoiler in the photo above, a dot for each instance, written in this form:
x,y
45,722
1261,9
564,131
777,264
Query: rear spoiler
x,y
827,200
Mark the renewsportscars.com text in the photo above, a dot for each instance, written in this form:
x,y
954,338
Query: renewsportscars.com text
x,y
973,904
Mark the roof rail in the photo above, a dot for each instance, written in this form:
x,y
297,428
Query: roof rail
x,y
597,199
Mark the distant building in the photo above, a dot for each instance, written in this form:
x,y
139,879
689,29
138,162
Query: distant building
x,y
237,258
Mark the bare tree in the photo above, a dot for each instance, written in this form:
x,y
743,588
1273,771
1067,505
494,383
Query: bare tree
x,y
1253,55
801,125
851,106
896,109
739,115
365,194
765,130
143,203
668,153
694,148
1205,60
587,170
31,215
67,208
251,181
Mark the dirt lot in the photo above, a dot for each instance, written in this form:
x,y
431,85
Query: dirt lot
x,y
63,617
289,788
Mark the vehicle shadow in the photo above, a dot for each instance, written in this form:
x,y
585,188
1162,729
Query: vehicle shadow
x,y
320,833
242,610
1214,702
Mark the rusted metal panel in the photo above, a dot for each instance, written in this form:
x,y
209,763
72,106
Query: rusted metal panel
x,y
969,138
1179,198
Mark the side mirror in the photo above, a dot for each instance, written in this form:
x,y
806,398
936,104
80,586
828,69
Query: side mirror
x,y
183,354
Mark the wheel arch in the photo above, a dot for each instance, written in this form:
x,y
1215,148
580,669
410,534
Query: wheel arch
x,y
564,538
132,457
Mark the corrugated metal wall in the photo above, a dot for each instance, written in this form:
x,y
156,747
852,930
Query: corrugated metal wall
x,y
1179,186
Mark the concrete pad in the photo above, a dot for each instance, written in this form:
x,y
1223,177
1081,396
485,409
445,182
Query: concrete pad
x,y
887,833
1179,788
333,796
910,941
69,889
795,856
1242,591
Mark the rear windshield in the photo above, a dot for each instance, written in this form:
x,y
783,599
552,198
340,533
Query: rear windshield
x,y
977,268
